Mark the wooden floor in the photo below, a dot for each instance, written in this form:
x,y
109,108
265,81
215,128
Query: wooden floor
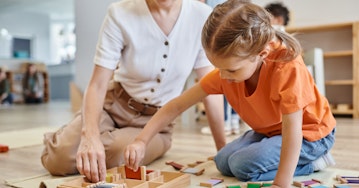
x,y
25,162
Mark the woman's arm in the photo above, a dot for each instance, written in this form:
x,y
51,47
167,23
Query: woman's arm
x,y
135,152
214,107
291,145
90,157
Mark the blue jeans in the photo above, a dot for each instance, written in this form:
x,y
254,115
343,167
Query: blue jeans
x,y
255,157
9,99
226,115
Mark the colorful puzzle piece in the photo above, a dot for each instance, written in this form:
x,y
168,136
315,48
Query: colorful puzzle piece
x,y
258,184
347,181
106,185
175,165
233,186
307,183
4,148
318,186
195,164
195,171
346,186
211,182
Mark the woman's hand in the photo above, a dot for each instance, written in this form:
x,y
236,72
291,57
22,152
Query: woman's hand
x,y
134,154
90,159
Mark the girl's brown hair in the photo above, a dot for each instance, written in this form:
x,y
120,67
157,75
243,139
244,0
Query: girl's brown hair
x,y
243,29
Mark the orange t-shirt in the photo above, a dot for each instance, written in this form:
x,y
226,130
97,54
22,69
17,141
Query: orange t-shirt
x,y
283,88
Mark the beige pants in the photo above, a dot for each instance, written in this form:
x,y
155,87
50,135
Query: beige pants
x,y
118,125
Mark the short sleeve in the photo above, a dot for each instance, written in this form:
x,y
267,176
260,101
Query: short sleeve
x,y
211,83
110,41
202,60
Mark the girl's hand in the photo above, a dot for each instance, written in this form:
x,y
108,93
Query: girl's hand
x,y
134,154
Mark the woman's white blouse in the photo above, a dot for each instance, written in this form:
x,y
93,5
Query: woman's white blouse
x,y
152,67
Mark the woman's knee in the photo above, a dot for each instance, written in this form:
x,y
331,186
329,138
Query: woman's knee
x,y
59,165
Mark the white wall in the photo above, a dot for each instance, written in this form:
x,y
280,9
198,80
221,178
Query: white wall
x,y
90,13
29,25
314,12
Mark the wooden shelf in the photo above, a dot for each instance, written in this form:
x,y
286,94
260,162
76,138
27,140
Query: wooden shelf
x,y
340,45
342,112
338,53
15,78
339,82
320,27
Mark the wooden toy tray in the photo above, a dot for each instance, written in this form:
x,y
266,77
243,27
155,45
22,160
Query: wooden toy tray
x,y
165,179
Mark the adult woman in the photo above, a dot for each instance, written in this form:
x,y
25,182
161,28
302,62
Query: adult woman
x,y
149,48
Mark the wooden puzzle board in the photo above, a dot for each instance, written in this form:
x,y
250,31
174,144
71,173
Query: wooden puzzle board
x,y
162,180
327,176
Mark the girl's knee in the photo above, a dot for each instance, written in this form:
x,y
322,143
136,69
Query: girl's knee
x,y
238,169
222,165
243,168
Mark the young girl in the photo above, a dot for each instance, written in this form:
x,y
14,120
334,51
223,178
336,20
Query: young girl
x,y
33,85
264,78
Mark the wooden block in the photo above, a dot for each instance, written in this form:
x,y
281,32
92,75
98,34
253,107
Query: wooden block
x,y
210,158
140,174
109,178
353,181
233,186
259,184
346,186
254,184
109,185
195,171
195,164
101,185
306,183
4,148
348,179
341,186
211,182
266,184
175,165
152,175
311,182
317,186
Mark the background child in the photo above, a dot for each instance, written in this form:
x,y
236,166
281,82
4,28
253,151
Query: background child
x,y
6,97
280,15
264,78
33,85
